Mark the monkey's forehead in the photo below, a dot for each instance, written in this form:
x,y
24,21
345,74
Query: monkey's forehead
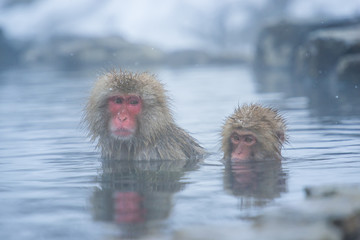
x,y
250,124
245,127
255,111
145,86
256,115
142,84
242,131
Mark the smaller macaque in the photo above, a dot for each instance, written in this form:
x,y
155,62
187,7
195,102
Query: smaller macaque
x,y
253,132
128,114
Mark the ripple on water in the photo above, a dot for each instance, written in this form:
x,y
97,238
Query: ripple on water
x,y
54,185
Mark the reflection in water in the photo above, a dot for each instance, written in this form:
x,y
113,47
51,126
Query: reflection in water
x,y
48,166
256,183
137,194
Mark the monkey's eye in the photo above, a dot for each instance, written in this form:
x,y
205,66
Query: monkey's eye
x,y
236,137
119,100
249,139
133,100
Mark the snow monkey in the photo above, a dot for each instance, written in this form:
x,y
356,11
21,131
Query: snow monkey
x,y
128,114
253,132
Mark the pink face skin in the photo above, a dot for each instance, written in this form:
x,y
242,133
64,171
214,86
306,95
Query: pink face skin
x,y
124,110
242,143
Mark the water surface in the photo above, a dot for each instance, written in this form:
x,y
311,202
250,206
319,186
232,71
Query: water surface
x,y
55,186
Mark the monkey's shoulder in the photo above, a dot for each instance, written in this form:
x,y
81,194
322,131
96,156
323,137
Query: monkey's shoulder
x,y
176,143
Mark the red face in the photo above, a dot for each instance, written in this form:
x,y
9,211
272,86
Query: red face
x,y
242,143
124,110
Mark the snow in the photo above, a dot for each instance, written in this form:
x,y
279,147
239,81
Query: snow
x,y
169,24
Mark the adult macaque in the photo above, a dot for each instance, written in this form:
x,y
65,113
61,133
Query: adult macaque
x,y
129,115
253,132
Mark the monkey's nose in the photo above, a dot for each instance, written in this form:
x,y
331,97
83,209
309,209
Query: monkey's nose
x,y
121,117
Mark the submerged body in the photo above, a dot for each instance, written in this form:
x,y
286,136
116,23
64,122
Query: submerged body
x,y
128,114
253,132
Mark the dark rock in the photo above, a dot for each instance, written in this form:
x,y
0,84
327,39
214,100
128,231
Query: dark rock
x,y
278,42
317,60
320,54
348,69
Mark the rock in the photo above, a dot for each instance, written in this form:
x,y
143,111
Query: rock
x,y
348,70
340,206
329,213
318,57
334,210
331,191
314,59
278,43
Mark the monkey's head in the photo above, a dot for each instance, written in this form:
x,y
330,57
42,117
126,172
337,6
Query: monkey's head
x,y
253,132
122,104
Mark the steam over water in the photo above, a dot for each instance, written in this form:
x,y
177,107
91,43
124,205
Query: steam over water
x,y
55,186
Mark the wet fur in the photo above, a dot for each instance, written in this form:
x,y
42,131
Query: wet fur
x,y
157,136
267,124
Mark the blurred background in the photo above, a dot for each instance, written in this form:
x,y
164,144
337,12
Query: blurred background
x,y
88,33
299,56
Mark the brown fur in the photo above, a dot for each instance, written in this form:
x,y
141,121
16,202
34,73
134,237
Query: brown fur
x,y
157,136
266,124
